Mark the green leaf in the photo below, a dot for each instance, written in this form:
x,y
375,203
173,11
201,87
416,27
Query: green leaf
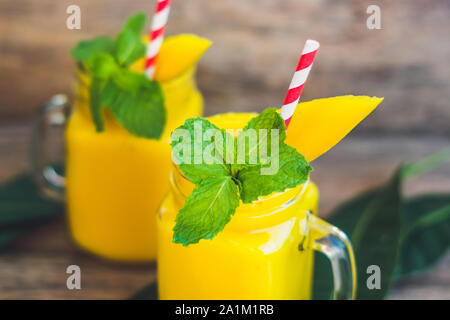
x,y
129,46
345,217
21,204
130,81
96,103
376,238
427,164
293,170
289,168
266,121
373,220
87,49
141,110
207,210
201,163
102,65
135,23
427,234
415,253
203,152
22,209
9,236
136,102
149,292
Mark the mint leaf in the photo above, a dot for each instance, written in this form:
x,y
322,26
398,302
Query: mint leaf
x,y
136,102
102,65
282,168
206,158
95,103
207,210
140,109
129,46
268,119
86,49
260,129
215,197
293,170
135,23
129,81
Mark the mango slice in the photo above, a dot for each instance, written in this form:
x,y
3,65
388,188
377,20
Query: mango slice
x,y
320,124
178,54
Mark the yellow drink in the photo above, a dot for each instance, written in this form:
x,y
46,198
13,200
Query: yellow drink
x,y
115,180
264,252
255,257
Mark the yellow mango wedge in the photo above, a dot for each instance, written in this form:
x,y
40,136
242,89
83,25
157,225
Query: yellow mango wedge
x,y
178,54
320,124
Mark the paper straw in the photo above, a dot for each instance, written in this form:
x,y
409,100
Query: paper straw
x,y
156,35
298,80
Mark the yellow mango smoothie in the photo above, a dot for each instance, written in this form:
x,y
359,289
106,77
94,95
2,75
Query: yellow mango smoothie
x,y
115,179
266,249
255,257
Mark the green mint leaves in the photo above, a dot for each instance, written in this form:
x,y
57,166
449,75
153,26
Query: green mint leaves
x,y
207,210
136,102
199,164
129,46
293,170
227,170
88,48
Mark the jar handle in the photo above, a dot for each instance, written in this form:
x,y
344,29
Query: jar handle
x,y
53,114
334,243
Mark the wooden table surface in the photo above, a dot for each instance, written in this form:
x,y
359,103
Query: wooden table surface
x,y
35,267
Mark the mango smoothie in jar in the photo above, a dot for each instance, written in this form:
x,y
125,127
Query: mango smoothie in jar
x,y
257,256
264,249
116,177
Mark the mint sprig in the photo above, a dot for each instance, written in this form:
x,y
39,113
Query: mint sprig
x,y
129,46
140,109
207,210
87,48
203,167
136,102
221,184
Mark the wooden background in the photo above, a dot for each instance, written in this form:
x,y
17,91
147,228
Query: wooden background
x,y
256,47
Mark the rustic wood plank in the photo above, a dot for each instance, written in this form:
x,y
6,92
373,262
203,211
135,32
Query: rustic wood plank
x,y
256,46
41,273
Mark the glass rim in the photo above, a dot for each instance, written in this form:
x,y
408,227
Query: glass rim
x,y
180,79
296,195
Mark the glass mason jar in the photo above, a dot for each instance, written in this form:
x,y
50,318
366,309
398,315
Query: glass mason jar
x,y
264,252
114,180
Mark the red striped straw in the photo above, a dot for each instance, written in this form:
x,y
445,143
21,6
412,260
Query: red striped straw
x,y
298,80
156,36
